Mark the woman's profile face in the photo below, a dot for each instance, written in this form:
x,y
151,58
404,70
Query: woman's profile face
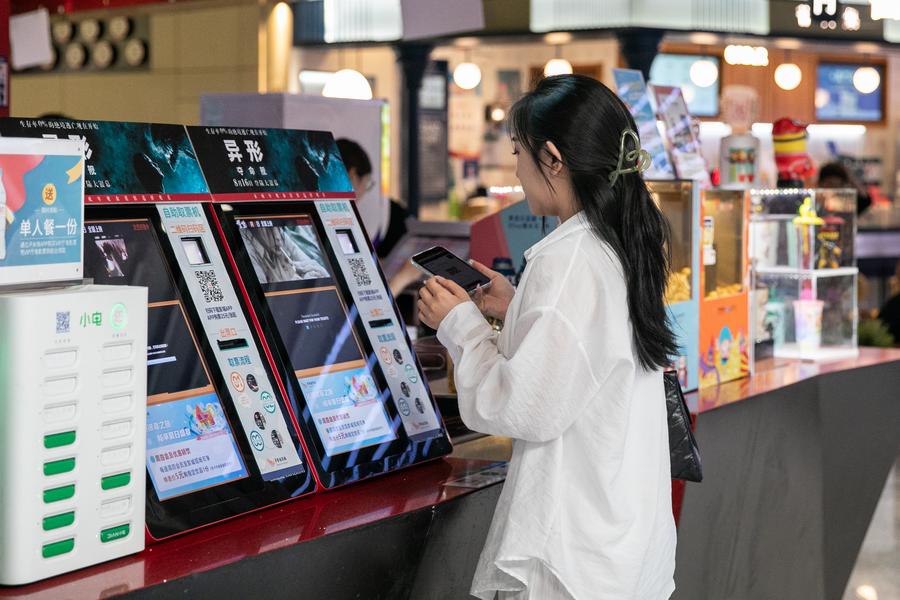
x,y
529,174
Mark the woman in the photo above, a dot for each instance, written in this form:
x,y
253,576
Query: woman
x,y
575,377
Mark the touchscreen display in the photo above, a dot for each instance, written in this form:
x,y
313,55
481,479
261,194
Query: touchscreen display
x,y
317,329
190,444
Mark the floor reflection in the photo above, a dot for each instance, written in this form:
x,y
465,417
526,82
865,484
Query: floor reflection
x,y
877,572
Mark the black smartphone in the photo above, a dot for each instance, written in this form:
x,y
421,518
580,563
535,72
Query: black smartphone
x,y
442,262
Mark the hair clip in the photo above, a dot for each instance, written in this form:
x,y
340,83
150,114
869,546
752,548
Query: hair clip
x,y
638,158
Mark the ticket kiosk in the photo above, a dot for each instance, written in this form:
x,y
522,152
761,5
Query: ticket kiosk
x,y
311,278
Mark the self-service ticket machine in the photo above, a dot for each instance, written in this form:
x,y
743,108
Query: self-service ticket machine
x,y
311,278
277,361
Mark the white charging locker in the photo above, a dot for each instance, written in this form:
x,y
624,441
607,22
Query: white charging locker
x,y
73,381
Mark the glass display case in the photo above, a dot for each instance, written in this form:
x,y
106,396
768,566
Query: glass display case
x,y
804,271
680,203
725,346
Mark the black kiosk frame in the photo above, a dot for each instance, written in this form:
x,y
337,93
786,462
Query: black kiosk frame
x,y
275,301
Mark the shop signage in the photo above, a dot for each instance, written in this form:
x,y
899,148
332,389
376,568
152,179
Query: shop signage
x,y
824,19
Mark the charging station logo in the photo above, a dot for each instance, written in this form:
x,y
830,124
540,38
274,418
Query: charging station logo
x,y
118,316
94,319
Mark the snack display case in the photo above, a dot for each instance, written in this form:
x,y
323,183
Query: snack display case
x,y
804,271
725,345
680,203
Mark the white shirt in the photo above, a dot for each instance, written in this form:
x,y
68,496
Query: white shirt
x,y
587,503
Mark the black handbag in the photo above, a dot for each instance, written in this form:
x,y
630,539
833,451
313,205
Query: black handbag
x,y
683,450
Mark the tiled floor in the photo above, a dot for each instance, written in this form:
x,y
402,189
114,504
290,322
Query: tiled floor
x,y
877,572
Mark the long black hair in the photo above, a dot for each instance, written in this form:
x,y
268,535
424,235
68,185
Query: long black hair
x,y
584,119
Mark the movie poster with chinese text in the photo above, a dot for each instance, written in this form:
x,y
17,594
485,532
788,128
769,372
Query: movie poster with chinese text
x,y
125,161
254,162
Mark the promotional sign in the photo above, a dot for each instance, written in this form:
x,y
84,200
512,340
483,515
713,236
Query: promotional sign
x,y
125,162
673,110
41,211
265,164
632,89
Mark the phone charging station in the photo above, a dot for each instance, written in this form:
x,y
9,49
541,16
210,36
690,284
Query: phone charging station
x,y
72,379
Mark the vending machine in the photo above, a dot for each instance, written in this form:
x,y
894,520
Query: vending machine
x,y
310,278
680,203
726,347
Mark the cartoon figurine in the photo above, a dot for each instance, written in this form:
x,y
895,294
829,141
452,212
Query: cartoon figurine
x,y
806,221
739,152
791,158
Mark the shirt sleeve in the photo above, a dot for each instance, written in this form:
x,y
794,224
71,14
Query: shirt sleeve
x,y
534,395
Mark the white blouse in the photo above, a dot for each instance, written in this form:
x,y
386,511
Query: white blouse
x,y
587,505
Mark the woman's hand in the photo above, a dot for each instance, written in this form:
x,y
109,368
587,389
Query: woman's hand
x,y
493,301
437,298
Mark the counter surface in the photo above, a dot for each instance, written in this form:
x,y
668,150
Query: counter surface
x,y
256,534
774,374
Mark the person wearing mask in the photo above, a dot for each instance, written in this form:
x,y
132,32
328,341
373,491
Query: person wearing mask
x,y
575,377
836,175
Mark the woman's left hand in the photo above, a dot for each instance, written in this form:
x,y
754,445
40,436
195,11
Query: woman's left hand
x,y
437,298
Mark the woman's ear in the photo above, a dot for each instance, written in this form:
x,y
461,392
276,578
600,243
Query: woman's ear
x,y
556,164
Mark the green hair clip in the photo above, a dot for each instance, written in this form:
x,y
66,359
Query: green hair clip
x,y
638,158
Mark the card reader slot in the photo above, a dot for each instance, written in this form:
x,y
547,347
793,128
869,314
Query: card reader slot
x,y
232,344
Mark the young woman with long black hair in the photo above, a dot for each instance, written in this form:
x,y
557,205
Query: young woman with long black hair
x,y
575,376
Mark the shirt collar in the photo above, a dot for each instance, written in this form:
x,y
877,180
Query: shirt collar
x,y
574,224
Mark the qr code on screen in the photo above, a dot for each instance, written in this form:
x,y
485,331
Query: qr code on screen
x,y
360,274
62,322
209,285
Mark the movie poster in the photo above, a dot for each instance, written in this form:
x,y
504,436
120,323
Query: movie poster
x,y
253,161
124,158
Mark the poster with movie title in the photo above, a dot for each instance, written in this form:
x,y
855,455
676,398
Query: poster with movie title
x,y
125,162
254,163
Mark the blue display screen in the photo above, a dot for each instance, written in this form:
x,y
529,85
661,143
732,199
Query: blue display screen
x,y
837,96
675,70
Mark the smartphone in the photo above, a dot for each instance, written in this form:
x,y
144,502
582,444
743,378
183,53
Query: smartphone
x,y
442,262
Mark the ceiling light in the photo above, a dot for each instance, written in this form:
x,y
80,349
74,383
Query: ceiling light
x,y
751,56
348,83
558,38
557,66
497,114
885,9
467,75
704,73
788,76
866,80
